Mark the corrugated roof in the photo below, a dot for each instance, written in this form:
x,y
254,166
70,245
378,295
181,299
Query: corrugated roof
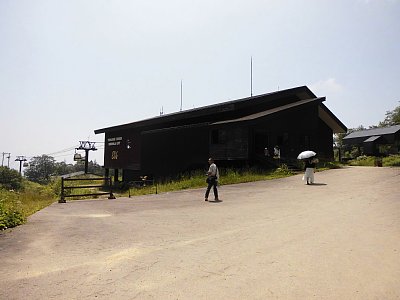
x,y
373,132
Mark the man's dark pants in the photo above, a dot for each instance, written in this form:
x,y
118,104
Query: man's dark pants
x,y
212,182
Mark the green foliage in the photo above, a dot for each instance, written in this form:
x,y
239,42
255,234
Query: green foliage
x,y
10,179
15,207
40,169
392,118
329,165
10,210
391,161
62,168
338,139
73,187
363,161
227,176
35,197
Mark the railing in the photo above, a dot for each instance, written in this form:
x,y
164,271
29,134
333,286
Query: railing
x,y
107,184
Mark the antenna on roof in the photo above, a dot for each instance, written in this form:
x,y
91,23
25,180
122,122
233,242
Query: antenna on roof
x,y
181,95
251,76
162,110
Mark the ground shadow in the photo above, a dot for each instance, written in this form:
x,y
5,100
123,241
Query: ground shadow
x,y
215,201
318,184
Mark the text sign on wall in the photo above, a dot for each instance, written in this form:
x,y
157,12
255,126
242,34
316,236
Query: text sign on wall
x,y
114,141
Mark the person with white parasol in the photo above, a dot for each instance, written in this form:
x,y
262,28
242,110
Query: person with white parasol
x,y
309,165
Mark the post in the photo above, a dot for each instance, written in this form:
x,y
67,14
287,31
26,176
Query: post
x,y
86,160
62,200
116,175
111,193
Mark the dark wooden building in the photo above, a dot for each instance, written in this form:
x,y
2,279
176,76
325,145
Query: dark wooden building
x,y
233,133
375,141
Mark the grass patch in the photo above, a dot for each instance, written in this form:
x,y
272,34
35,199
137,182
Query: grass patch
x,y
84,180
370,161
16,206
197,180
391,161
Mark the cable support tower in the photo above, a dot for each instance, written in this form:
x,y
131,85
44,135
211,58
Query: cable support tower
x,y
21,159
86,146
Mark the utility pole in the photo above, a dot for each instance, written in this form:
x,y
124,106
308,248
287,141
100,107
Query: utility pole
x,y
21,159
87,146
2,160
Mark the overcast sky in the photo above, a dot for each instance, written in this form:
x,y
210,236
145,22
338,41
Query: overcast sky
x,y
70,67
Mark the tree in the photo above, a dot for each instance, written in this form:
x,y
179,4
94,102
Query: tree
x,y
392,118
40,169
10,179
62,168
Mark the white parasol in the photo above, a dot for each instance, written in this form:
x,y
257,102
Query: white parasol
x,y
306,154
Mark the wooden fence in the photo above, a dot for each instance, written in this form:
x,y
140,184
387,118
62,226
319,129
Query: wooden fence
x,y
107,185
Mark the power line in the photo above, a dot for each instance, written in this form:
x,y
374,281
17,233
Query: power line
x,y
62,151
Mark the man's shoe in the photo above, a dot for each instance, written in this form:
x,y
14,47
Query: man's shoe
x,y
206,199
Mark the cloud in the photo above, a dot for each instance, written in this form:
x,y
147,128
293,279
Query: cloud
x,y
327,87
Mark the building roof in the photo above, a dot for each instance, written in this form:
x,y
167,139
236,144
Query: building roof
x,y
323,112
373,132
301,93
269,111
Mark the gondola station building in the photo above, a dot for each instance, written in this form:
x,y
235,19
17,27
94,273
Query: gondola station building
x,y
234,133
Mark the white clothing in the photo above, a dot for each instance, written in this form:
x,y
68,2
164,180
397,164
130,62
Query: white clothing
x,y
309,174
213,170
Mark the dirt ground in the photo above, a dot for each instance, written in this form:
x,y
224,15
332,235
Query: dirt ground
x,y
277,239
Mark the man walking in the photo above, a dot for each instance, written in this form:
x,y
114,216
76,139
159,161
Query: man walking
x,y
212,179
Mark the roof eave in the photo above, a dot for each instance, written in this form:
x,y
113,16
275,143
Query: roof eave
x,y
303,91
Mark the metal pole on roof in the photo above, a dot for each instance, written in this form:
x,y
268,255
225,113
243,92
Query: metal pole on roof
x,y
251,76
181,95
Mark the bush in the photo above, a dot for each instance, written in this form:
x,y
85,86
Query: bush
x,y
391,161
10,179
10,210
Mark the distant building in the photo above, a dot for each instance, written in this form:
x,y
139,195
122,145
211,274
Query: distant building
x,y
233,133
375,141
